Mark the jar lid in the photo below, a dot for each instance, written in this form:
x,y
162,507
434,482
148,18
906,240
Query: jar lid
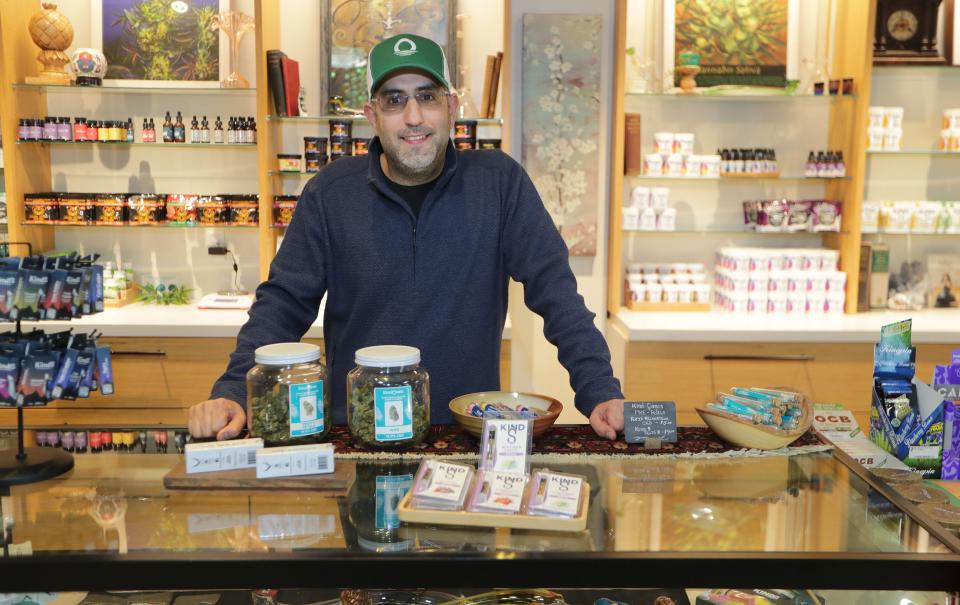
x,y
287,353
387,356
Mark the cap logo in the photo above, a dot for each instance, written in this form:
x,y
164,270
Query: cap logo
x,y
405,47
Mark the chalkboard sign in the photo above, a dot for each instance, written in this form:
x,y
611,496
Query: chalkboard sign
x,y
649,419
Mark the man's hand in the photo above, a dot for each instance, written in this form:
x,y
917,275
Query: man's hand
x,y
221,417
607,418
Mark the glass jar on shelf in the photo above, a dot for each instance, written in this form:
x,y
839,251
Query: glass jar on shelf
x,y
288,401
388,397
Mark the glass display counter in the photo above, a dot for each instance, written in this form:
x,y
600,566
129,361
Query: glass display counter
x,y
813,520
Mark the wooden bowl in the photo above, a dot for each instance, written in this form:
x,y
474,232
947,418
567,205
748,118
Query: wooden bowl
x,y
743,433
548,407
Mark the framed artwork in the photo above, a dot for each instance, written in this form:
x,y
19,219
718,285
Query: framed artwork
x,y
353,27
561,91
158,43
740,42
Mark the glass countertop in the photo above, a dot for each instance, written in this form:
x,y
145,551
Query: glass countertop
x,y
111,519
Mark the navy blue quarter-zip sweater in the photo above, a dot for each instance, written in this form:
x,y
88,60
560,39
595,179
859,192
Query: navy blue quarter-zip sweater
x,y
437,282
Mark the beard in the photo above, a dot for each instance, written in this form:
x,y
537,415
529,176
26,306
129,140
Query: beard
x,y
415,164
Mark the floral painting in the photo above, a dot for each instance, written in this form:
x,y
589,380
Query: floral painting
x,y
160,40
561,121
739,41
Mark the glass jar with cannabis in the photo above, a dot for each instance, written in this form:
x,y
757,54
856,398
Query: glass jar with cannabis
x,y
288,399
388,397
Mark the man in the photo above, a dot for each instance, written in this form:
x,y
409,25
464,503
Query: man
x,y
415,245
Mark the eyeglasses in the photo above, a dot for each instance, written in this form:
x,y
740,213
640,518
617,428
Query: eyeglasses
x,y
394,102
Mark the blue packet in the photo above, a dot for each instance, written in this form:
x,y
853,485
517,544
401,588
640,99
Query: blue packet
x,y
31,290
8,288
82,365
54,298
86,300
68,363
70,295
104,370
9,377
37,369
96,289
87,380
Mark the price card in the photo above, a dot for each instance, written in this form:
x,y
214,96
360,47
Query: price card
x,y
643,420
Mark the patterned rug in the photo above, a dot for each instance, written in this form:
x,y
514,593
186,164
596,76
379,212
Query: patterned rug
x,y
573,439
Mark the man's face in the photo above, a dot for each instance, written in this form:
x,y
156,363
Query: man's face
x,y
414,135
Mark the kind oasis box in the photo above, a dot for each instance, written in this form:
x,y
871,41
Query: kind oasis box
x,y
906,417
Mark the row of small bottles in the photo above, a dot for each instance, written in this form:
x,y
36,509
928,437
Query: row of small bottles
x,y
825,164
53,128
78,442
748,161
239,130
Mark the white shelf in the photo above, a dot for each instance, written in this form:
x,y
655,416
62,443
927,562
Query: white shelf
x,y
929,326
140,320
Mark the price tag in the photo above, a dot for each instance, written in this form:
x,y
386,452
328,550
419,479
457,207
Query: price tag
x,y
649,420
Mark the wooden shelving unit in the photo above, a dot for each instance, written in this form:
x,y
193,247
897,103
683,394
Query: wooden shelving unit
x,y
848,119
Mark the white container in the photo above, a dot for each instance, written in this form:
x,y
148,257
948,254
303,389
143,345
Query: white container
x,y
891,139
833,306
778,283
634,268
691,166
650,278
793,260
816,304
640,197
836,282
953,143
631,218
874,139
653,164
870,217
683,143
829,260
660,198
810,260
757,304
663,143
648,268
701,293
944,144
796,304
951,118
655,293
695,268
667,220
698,278
758,283
682,278
674,165
648,220
816,282
638,292
877,117
665,268
668,278
776,306
796,282
685,293
893,117
222,455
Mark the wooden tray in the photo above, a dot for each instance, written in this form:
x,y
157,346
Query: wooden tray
x,y
335,483
647,306
467,519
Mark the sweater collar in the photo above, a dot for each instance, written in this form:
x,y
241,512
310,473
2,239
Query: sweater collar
x,y
379,180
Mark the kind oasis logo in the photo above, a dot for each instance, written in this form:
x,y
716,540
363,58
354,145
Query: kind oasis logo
x,y
451,473
513,430
405,47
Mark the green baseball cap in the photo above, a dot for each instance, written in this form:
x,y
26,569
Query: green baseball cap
x,y
406,51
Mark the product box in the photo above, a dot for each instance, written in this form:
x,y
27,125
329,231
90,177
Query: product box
x,y
222,455
312,459
757,596
879,275
838,426
906,415
946,381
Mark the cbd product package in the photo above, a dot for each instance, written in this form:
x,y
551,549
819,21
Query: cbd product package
x,y
39,367
9,377
8,289
31,290
104,370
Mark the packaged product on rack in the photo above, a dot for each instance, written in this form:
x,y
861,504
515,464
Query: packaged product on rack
x,y
212,210
505,444
182,208
8,288
555,494
40,208
244,209
32,283
497,492
110,209
283,207
76,209
146,209
441,485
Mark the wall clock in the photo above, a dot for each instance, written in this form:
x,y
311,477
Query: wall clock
x,y
906,32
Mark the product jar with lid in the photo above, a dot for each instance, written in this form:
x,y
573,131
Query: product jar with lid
x,y
388,397
288,399
340,147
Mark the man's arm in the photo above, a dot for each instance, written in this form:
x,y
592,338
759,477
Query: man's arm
x,y
287,302
536,255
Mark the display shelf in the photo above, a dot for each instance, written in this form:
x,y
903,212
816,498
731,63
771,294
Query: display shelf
x,y
362,119
921,152
142,90
724,231
742,97
885,233
158,226
249,146
734,179
288,174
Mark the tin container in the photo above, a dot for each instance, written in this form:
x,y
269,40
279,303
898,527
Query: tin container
x,y
462,144
110,209
341,129
315,145
289,162
361,146
465,129
314,161
340,147
488,144
283,207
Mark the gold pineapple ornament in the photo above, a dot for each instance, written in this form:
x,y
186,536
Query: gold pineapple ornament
x,y
53,33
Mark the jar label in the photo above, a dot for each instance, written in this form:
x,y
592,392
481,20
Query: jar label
x,y
393,409
390,491
306,409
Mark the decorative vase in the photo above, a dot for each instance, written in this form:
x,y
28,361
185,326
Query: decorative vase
x,y
234,24
89,65
688,83
53,33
